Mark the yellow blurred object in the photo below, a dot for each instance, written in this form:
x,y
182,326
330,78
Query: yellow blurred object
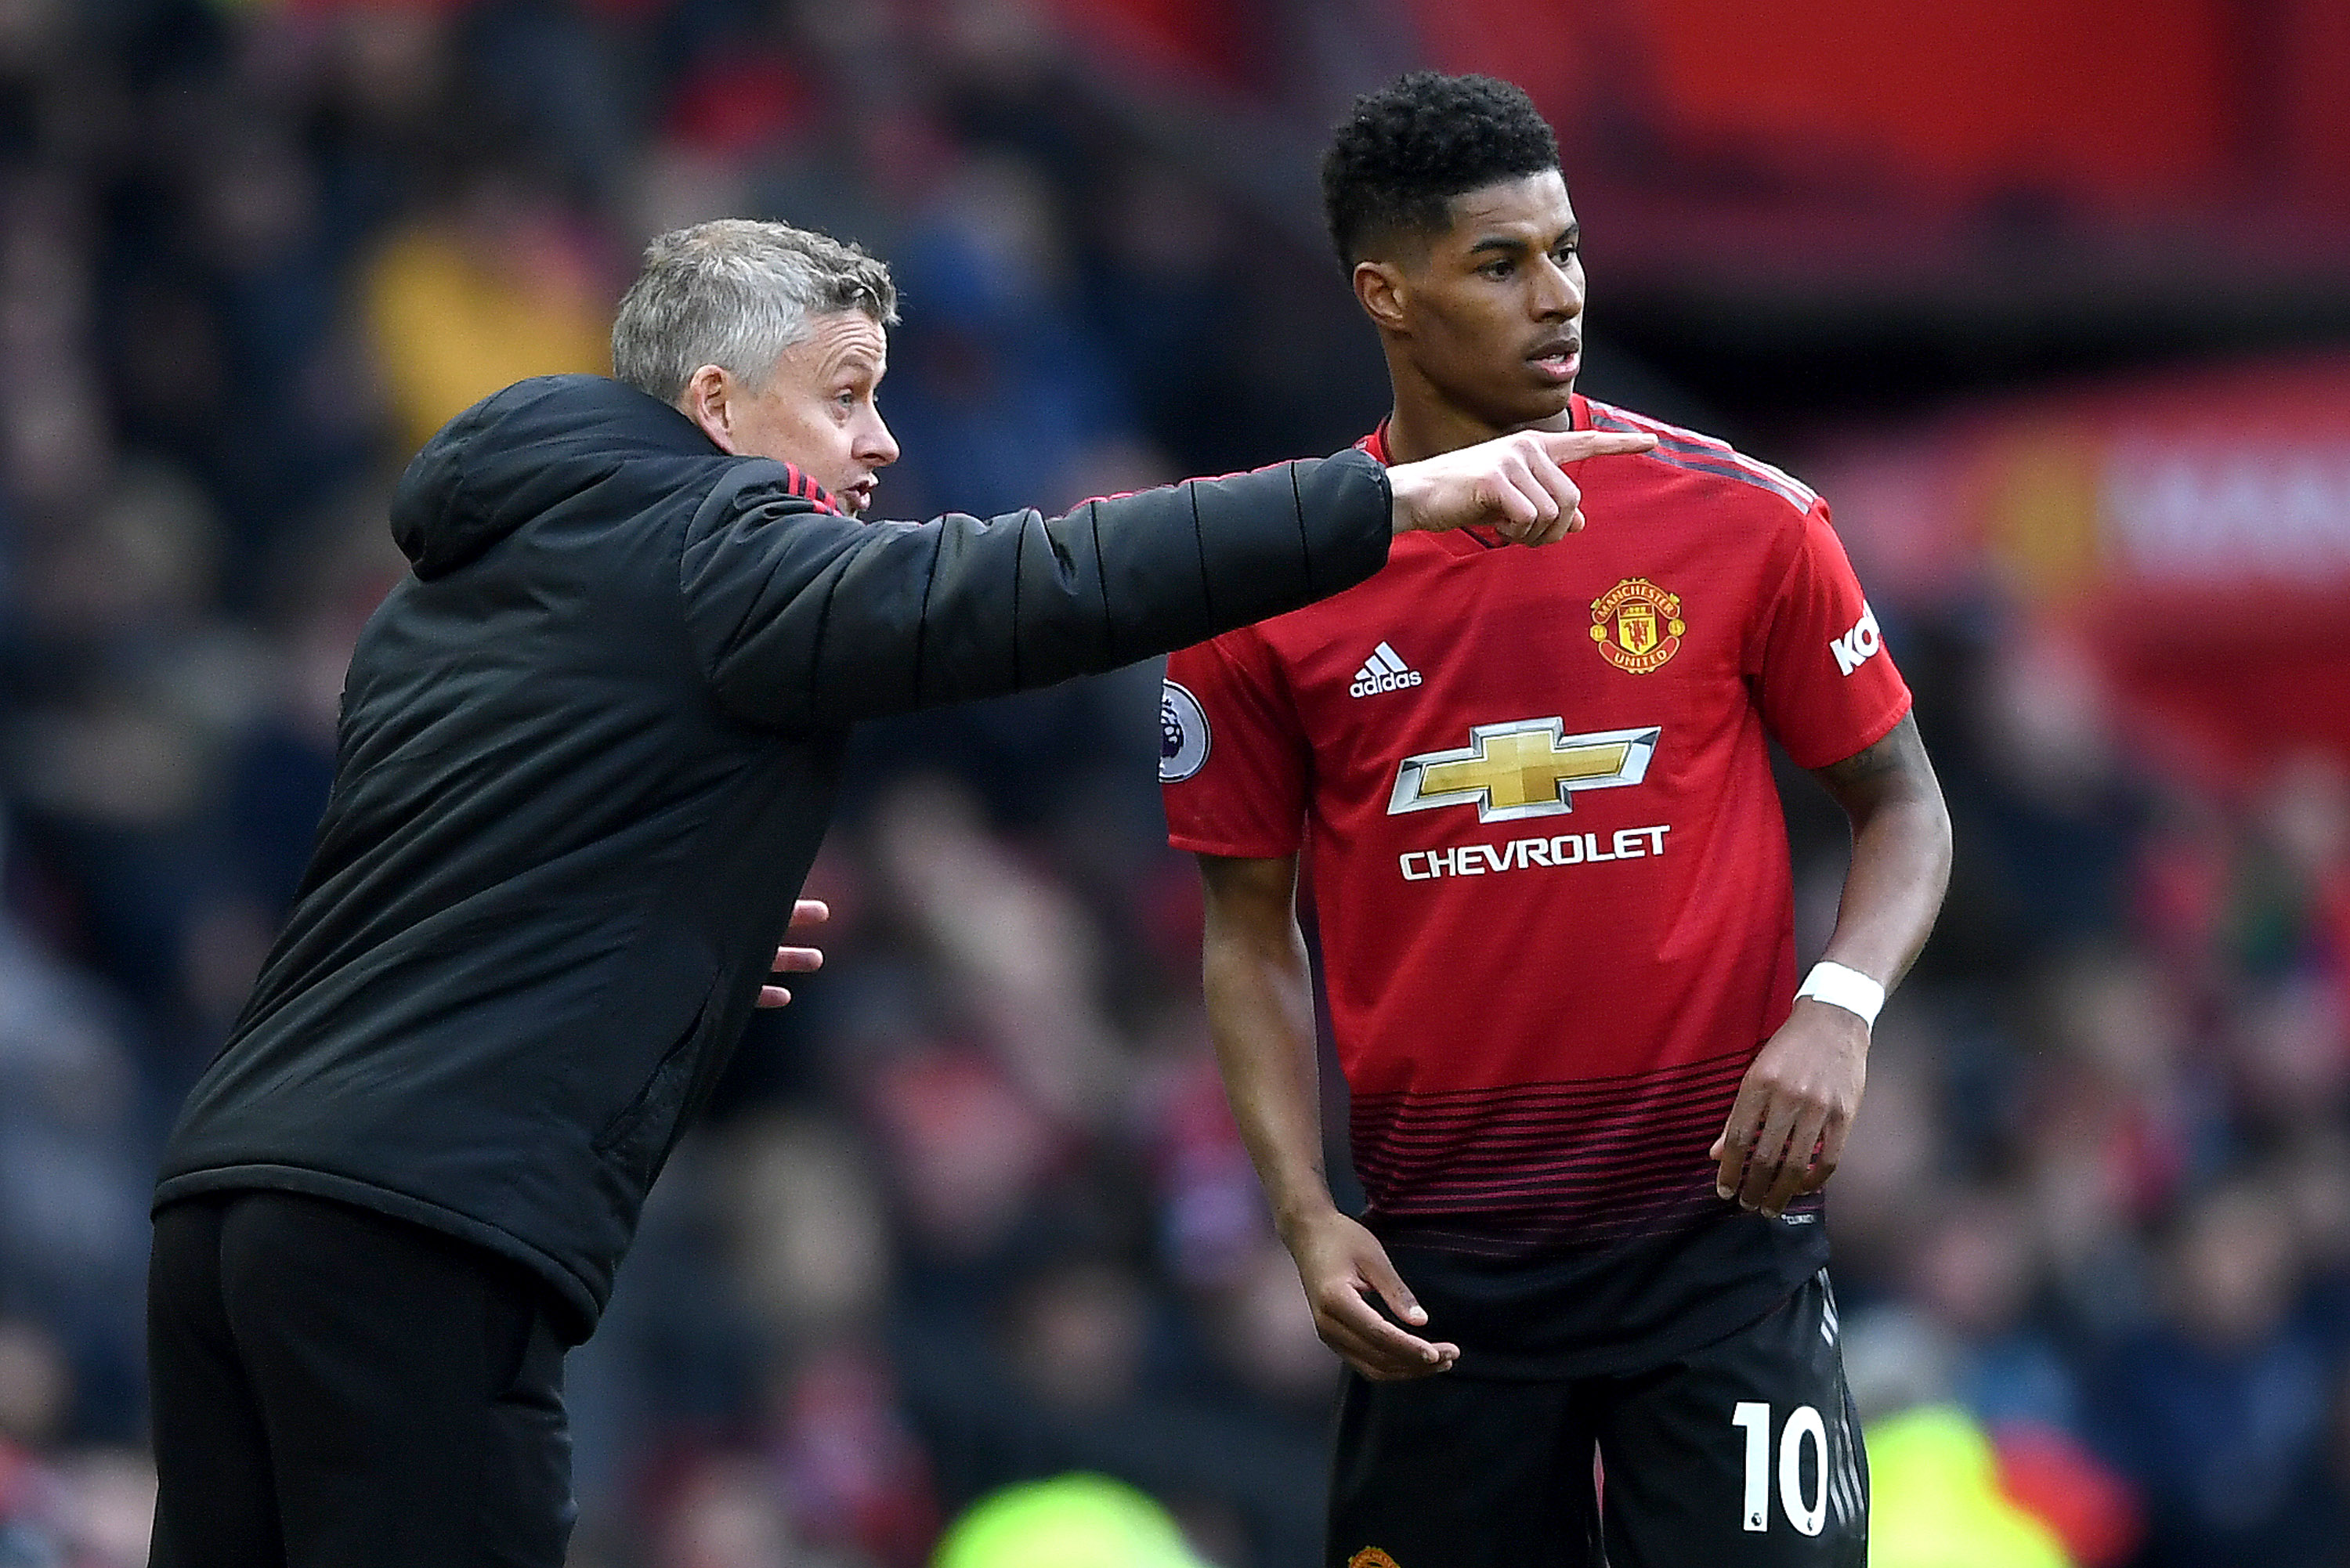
x,y
2043,512
451,325
1935,1502
1069,1521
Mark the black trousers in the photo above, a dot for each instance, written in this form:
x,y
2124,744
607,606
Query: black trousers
x,y
1743,1454
335,1389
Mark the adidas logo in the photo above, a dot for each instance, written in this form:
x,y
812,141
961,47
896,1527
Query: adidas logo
x,y
1384,671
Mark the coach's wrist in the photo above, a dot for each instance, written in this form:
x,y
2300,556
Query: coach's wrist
x,y
1405,499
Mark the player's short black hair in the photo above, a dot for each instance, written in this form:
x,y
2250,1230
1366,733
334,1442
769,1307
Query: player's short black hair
x,y
1403,152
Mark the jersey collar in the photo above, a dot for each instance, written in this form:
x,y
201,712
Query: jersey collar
x,y
1475,541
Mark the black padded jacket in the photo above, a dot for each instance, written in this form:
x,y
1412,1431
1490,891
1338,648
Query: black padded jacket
x,y
587,753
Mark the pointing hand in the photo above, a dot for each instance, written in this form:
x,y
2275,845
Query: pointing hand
x,y
1517,484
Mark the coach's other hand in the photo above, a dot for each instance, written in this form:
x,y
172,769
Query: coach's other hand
x,y
1787,1128
1516,483
1341,1264
806,915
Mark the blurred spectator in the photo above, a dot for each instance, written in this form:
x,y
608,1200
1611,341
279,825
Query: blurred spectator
x,y
728,1515
2058,808
2219,1411
810,1237
501,284
2292,908
1973,1275
76,1508
74,1179
998,392
848,1462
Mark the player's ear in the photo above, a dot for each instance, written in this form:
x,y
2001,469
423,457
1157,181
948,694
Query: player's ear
x,y
1381,290
707,401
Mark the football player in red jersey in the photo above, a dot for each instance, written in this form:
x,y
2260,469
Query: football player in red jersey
x,y
1592,1108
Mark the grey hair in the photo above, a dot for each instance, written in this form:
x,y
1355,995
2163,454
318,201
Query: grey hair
x,y
735,294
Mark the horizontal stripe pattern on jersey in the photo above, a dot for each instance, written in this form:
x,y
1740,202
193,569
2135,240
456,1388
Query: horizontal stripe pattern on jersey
x,y
1534,1167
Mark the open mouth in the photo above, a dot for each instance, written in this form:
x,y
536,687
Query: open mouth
x,y
858,496
1557,361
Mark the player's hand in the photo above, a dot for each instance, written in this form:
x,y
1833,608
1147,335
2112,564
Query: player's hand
x,y
806,915
1788,1129
1341,1264
1517,484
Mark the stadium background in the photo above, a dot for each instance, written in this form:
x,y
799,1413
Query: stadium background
x,y
2052,299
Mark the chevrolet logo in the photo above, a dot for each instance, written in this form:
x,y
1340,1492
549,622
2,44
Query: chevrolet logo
x,y
1525,768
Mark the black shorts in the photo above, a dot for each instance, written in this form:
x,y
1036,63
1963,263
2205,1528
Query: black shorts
x,y
1743,1454
333,1387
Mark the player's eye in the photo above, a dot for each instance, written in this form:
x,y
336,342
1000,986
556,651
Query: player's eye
x,y
1497,270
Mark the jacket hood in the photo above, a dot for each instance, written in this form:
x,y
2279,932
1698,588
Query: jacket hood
x,y
520,451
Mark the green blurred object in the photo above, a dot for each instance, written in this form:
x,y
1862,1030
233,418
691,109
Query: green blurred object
x,y
1935,1500
1069,1521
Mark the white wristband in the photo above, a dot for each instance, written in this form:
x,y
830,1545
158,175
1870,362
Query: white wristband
x,y
1849,989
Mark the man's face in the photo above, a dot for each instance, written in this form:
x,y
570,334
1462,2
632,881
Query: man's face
x,y
1492,313
817,411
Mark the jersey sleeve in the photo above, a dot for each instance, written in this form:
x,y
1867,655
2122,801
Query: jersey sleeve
x,y
1823,678
1232,758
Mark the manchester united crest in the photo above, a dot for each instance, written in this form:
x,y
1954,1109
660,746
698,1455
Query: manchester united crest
x,y
1637,625
1370,1557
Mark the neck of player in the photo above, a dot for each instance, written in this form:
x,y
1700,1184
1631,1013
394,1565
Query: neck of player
x,y
1425,422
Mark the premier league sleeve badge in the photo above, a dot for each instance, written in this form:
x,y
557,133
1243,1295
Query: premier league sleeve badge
x,y
1182,734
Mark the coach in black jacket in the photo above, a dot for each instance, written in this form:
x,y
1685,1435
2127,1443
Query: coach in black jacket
x,y
587,753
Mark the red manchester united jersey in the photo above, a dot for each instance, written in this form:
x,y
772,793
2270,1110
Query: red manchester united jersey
x,y
1550,871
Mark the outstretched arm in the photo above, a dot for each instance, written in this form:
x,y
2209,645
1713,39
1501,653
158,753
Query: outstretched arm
x,y
1788,1129
1261,1013
801,618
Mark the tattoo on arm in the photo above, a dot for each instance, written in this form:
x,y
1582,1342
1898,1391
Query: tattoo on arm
x,y
1896,765
1871,760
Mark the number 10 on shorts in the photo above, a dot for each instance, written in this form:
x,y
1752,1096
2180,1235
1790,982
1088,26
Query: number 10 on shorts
x,y
1803,1425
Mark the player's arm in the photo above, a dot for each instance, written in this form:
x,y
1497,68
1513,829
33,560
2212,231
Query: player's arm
x,y
1787,1129
1900,854
1261,1013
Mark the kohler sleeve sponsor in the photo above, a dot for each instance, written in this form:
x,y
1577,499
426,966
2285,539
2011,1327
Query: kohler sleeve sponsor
x,y
1860,645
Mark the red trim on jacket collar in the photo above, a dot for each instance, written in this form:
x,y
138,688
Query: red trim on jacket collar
x,y
807,489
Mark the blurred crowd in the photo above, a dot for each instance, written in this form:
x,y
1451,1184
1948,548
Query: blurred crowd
x,y
972,1211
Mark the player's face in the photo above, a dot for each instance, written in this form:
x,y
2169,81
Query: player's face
x,y
817,410
1494,312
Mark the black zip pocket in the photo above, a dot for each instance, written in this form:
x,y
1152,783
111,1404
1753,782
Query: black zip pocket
x,y
656,1106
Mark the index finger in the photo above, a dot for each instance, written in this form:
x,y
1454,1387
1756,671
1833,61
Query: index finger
x,y
809,912
1737,1140
1574,446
